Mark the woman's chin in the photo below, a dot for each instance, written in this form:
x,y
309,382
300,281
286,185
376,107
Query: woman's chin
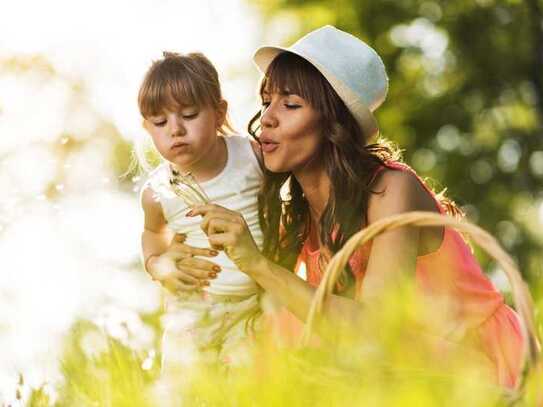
x,y
274,166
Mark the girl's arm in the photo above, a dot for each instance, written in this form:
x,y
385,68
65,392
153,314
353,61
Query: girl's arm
x,y
165,256
155,237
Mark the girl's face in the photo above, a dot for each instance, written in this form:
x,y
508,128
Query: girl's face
x,y
185,137
291,134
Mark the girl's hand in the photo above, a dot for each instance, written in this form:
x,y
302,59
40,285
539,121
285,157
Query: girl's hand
x,y
228,231
177,270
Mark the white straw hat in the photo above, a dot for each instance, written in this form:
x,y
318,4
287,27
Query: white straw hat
x,y
353,68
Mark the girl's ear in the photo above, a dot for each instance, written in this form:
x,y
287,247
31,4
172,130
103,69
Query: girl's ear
x,y
145,124
221,110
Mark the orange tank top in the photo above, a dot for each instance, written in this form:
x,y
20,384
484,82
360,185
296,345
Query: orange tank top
x,y
450,272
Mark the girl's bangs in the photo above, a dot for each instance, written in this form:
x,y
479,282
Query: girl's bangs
x,y
171,90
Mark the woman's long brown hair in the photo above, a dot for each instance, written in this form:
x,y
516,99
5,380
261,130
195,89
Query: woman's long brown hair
x,y
349,159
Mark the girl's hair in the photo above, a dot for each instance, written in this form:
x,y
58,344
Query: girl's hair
x,y
350,162
174,81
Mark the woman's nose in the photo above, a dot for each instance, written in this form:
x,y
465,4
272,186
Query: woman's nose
x,y
267,117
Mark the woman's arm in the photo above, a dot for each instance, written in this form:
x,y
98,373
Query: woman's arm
x,y
296,295
228,231
393,254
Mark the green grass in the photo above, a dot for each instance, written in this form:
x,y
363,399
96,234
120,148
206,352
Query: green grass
x,y
389,367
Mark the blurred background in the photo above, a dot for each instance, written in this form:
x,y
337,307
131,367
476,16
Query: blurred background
x,y
465,104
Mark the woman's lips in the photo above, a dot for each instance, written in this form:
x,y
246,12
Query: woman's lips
x,y
268,147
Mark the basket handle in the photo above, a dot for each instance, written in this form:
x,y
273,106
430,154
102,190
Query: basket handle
x,y
520,292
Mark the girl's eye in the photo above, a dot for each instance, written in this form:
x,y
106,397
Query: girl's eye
x,y
190,116
160,123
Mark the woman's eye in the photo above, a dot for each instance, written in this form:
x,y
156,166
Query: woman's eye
x,y
292,106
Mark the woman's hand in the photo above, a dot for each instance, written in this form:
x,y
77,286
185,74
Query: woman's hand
x,y
178,270
228,231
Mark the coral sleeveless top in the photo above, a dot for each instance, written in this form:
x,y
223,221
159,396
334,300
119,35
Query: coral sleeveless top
x,y
451,272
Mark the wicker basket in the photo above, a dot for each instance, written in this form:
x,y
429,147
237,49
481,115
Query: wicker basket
x,y
521,295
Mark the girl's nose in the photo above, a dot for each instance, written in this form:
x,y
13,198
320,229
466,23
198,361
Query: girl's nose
x,y
267,117
177,128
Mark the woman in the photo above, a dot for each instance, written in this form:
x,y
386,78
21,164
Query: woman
x,y
318,97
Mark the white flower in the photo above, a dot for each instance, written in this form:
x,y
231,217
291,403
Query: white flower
x,y
187,188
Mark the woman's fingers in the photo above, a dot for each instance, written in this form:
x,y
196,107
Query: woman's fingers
x,y
228,231
202,210
211,211
221,225
214,222
221,222
218,220
224,240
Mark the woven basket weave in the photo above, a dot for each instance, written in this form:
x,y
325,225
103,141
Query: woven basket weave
x,y
521,295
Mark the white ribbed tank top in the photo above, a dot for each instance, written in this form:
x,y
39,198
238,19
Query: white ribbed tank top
x,y
235,188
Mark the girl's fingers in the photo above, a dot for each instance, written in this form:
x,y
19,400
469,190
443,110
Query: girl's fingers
x,y
186,278
186,282
183,287
179,237
184,249
198,264
196,274
177,241
175,286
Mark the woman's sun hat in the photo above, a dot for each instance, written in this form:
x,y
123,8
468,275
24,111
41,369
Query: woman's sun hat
x,y
352,67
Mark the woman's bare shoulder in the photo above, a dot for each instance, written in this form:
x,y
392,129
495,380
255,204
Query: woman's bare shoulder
x,y
398,191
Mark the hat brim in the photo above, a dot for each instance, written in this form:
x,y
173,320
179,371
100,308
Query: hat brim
x,y
264,56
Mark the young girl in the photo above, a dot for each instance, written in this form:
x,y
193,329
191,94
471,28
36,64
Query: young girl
x,y
185,115
318,99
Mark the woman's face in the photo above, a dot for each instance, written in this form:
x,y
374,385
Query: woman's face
x,y
291,132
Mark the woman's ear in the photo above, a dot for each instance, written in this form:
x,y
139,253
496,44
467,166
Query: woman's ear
x,y
221,110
